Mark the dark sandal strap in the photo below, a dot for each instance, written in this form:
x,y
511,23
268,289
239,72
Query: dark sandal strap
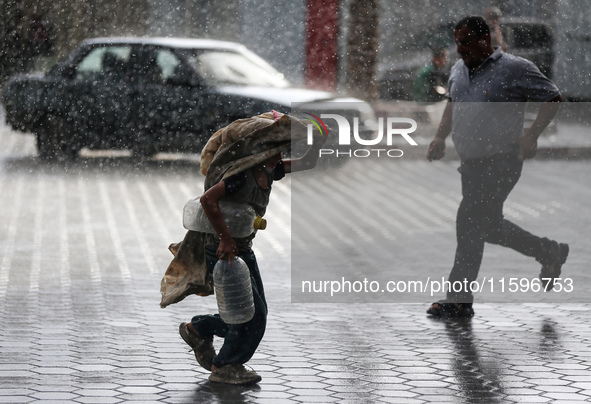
x,y
448,309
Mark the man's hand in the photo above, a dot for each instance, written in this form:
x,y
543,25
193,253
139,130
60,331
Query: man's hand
x,y
309,160
318,141
436,149
528,142
527,147
227,249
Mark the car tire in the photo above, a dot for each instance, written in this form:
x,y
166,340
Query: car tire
x,y
52,142
46,145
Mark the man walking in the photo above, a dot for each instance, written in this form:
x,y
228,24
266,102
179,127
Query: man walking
x,y
492,145
240,163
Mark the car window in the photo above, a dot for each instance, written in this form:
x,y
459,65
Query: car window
x,y
146,65
531,36
168,63
108,62
232,68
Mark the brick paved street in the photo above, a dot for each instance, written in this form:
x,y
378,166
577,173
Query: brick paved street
x,y
83,246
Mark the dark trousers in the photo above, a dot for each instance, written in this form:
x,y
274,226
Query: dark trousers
x,y
240,340
486,184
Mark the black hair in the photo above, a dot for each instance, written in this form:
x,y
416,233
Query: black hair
x,y
475,23
439,52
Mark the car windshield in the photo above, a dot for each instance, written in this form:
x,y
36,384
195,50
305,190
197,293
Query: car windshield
x,y
219,67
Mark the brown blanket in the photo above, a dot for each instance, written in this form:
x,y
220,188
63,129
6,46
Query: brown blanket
x,y
239,146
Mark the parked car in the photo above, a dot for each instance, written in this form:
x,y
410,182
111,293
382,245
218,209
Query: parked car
x,y
530,38
150,95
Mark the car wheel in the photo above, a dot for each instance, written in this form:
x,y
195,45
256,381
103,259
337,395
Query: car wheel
x,y
52,142
45,146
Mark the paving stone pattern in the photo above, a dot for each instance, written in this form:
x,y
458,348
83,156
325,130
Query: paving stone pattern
x,y
83,248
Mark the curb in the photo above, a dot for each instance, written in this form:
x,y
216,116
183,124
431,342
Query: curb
x,y
428,116
563,153
543,154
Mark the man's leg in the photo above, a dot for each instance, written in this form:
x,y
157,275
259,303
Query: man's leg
x,y
486,185
469,250
507,234
549,253
240,340
510,235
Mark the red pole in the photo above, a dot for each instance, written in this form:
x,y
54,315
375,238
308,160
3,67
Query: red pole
x,y
322,20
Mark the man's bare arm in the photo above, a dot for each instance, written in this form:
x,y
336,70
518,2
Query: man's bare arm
x,y
437,146
210,202
528,142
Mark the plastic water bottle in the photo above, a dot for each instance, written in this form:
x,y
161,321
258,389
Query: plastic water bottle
x,y
240,218
233,291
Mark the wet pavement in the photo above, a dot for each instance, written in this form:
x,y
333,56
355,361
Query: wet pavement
x,y
83,246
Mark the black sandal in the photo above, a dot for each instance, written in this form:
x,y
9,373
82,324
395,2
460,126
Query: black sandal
x,y
445,309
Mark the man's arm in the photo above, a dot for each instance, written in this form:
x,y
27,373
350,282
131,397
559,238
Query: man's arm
x,y
437,146
528,142
210,201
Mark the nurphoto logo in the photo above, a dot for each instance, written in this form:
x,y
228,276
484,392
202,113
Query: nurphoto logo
x,y
348,133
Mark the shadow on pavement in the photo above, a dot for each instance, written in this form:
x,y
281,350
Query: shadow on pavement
x,y
549,339
208,392
478,382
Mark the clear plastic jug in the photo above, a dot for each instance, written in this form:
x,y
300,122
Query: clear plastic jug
x,y
240,218
233,290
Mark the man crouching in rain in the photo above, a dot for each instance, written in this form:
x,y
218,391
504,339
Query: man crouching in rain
x,y
240,163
